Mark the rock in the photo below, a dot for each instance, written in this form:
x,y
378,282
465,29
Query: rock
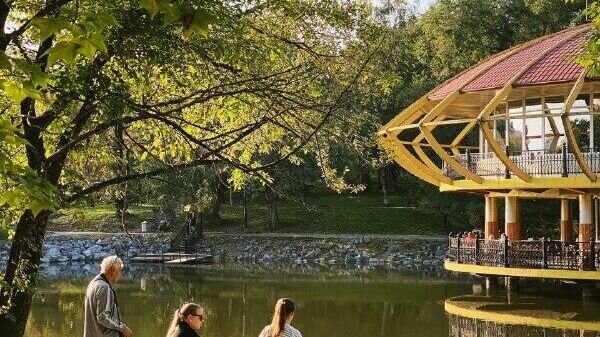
x,y
100,256
310,254
53,253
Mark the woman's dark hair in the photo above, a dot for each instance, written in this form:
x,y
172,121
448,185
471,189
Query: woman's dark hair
x,y
283,309
180,315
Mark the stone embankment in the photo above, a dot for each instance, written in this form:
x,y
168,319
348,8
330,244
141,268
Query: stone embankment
x,y
263,249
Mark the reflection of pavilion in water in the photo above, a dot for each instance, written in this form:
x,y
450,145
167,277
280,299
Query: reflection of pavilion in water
x,y
479,316
471,327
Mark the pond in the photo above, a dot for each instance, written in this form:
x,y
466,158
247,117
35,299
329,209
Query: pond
x,y
239,301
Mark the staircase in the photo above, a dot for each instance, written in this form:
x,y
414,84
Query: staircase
x,y
184,242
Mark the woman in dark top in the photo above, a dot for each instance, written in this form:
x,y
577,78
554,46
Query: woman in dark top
x,y
186,321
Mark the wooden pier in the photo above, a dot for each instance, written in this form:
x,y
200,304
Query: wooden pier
x,y
174,258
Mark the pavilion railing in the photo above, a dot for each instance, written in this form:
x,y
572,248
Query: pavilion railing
x,y
535,163
535,254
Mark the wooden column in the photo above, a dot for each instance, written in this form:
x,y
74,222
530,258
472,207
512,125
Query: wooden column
x,y
491,218
512,218
586,227
565,220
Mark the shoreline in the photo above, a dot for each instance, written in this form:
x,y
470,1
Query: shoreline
x,y
340,251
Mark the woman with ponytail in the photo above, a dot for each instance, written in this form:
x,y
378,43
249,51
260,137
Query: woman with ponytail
x,y
186,320
282,317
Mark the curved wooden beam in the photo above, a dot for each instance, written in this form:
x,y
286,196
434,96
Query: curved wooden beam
x,y
485,112
448,158
423,163
434,114
424,158
404,115
489,136
399,152
569,128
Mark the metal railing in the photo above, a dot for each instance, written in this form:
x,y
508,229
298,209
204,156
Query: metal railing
x,y
534,162
535,254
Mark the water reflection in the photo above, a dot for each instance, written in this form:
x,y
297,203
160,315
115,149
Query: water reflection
x,y
239,300
558,311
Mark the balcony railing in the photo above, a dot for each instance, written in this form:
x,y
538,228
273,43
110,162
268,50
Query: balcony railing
x,y
535,254
534,163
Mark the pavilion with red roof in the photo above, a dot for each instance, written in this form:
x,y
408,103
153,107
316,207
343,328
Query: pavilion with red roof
x,y
523,123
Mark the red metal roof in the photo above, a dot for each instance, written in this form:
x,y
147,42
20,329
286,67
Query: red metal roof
x,y
557,64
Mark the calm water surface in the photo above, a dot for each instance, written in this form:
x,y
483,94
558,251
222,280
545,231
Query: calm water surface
x,y
239,301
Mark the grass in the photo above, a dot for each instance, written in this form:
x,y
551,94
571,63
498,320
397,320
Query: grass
x,y
98,218
360,214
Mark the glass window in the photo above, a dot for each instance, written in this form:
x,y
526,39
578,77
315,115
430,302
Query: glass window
x,y
515,127
553,126
534,126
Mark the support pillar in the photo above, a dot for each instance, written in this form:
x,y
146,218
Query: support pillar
x,y
512,218
586,227
491,218
512,228
565,221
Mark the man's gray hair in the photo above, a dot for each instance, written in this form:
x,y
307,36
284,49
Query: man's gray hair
x,y
110,262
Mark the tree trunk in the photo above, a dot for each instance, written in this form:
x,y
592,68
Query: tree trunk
x,y
273,213
21,273
121,169
201,227
245,208
383,180
220,198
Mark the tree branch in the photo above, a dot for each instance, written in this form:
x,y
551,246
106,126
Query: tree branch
x,y
51,8
119,180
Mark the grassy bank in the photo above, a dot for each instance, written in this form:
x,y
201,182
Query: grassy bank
x,y
101,217
324,214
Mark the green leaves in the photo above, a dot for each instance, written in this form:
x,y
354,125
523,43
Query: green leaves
x,y
17,92
49,26
196,22
64,50
34,72
590,58
22,187
170,11
192,21
82,38
151,6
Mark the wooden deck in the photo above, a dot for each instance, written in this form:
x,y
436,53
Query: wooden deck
x,y
174,258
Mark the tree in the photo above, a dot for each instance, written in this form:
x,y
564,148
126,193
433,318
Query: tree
x,y
590,58
186,83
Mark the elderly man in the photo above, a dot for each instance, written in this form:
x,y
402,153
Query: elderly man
x,y
102,316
